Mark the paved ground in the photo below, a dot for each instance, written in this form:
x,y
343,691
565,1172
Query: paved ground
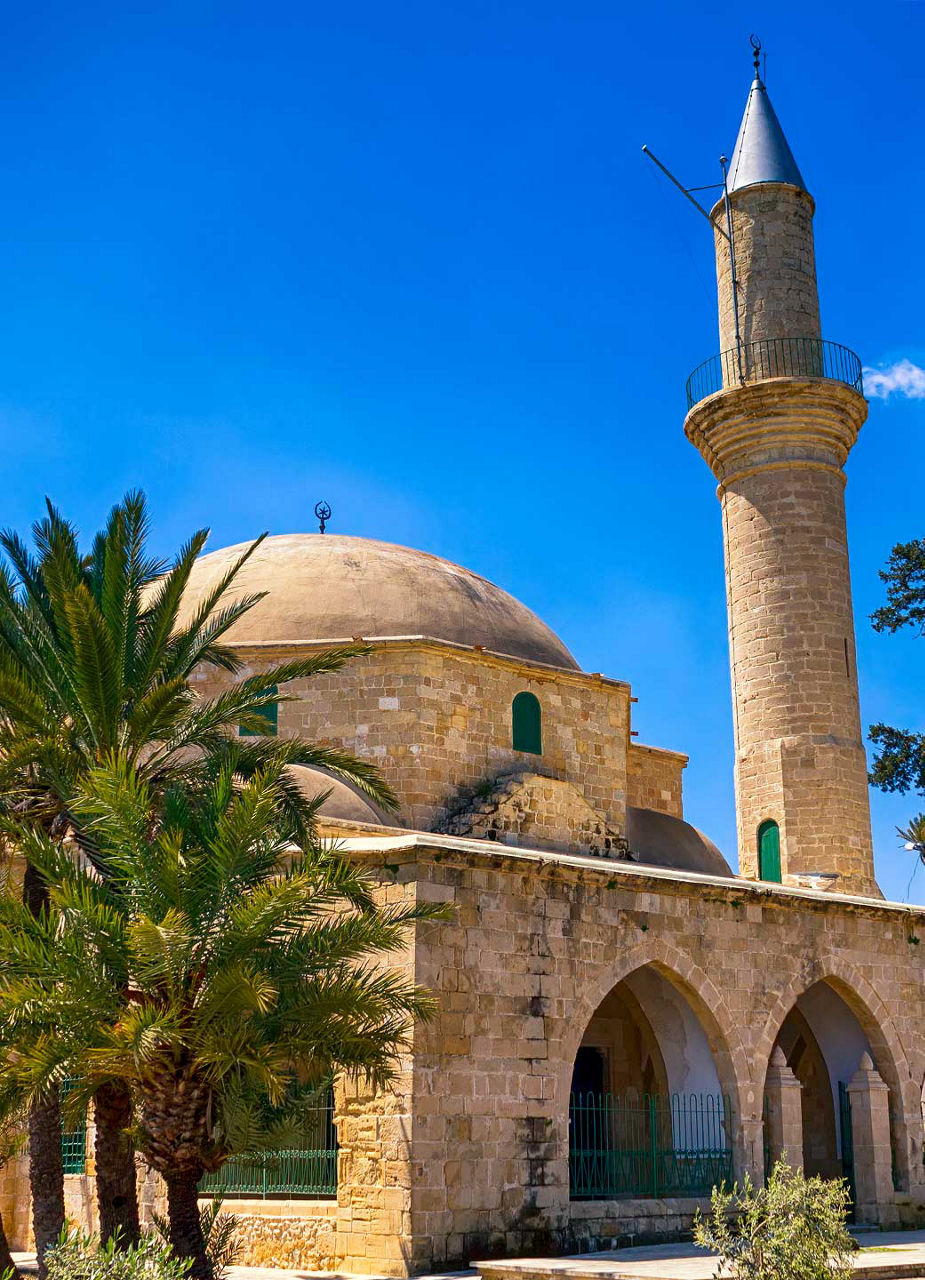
x,y
882,1256
897,1255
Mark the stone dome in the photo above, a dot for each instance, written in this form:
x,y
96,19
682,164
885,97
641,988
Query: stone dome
x,y
660,840
342,801
331,587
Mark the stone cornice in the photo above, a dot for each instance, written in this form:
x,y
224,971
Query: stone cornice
x,y
665,753
776,423
266,650
637,876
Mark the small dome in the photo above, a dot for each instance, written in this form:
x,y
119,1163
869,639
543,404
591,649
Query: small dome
x,y
343,802
329,587
660,840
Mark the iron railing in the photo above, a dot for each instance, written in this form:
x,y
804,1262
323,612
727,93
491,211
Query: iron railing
x,y
774,358
73,1141
648,1146
307,1170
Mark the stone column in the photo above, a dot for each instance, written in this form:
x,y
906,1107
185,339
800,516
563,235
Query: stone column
x,y
783,1093
373,1224
870,1128
749,1150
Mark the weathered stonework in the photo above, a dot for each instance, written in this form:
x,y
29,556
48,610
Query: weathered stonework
x,y
775,265
435,719
777,446
289,1234
533,811
654,779
776,449
534,949
566,969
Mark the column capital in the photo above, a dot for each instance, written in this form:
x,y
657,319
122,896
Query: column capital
x,y
867,1078
780,1075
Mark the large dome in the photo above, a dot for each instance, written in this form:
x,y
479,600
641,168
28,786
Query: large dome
x,y
328,587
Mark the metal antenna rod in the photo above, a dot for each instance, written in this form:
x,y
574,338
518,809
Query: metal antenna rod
x,y
732,267
684,191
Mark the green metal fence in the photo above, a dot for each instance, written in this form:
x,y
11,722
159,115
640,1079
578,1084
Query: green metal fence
x,y
307,1170
775,358
73,1141
648,1146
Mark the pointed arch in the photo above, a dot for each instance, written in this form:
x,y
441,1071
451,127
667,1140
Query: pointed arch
x,y
704,998
874,1018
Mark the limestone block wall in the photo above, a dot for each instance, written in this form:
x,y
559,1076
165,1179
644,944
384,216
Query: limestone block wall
x,y
436,720
654,779
777,449
465,1154
15,1203
775,265
288,1234
800,756
536,812
535,947
271,1233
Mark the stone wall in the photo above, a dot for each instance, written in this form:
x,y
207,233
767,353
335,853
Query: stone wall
x,y
777,449
436,720
534,948
288,1234
654,779
618,1224
775,265
536,812
465,1155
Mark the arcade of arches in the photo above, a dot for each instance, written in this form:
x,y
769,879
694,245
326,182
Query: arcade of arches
x,y
610,1042
648,1117
609,1039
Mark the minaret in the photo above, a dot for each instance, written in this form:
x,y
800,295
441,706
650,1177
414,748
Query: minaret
x,y
774,415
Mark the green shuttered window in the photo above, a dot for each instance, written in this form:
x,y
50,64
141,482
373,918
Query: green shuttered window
x,y
270,715
527,724
769,852
73,1140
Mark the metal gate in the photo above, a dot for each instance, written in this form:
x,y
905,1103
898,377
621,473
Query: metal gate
x,y
307,1170
847,1144
649,1146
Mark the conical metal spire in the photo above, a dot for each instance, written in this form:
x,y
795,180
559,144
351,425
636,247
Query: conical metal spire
x,y
761,152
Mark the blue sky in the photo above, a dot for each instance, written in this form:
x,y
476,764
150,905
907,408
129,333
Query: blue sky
x,y
411,259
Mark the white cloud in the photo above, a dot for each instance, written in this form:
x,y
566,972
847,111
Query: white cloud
x,y
903,377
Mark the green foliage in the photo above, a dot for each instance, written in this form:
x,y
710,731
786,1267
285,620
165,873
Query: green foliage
x,y
904,577
219,1231
96,655
913,836
215,968
899,764
81,1257
791,1229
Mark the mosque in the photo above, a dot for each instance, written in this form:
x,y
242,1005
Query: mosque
x,y
623,1020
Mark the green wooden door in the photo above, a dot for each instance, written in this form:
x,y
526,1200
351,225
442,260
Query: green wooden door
x,y
526,724
769,852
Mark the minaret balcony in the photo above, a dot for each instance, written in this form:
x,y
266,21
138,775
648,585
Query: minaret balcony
x,y
769,358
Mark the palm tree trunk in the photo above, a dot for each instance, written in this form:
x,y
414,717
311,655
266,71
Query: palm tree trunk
x,y
46,1174
116,1189
7,1265
46,1168
186,1237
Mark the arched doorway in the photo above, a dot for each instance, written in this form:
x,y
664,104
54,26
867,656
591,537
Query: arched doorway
x,y
824,1045
647,1114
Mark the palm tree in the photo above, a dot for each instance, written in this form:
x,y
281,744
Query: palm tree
x,y
95,662
244,971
